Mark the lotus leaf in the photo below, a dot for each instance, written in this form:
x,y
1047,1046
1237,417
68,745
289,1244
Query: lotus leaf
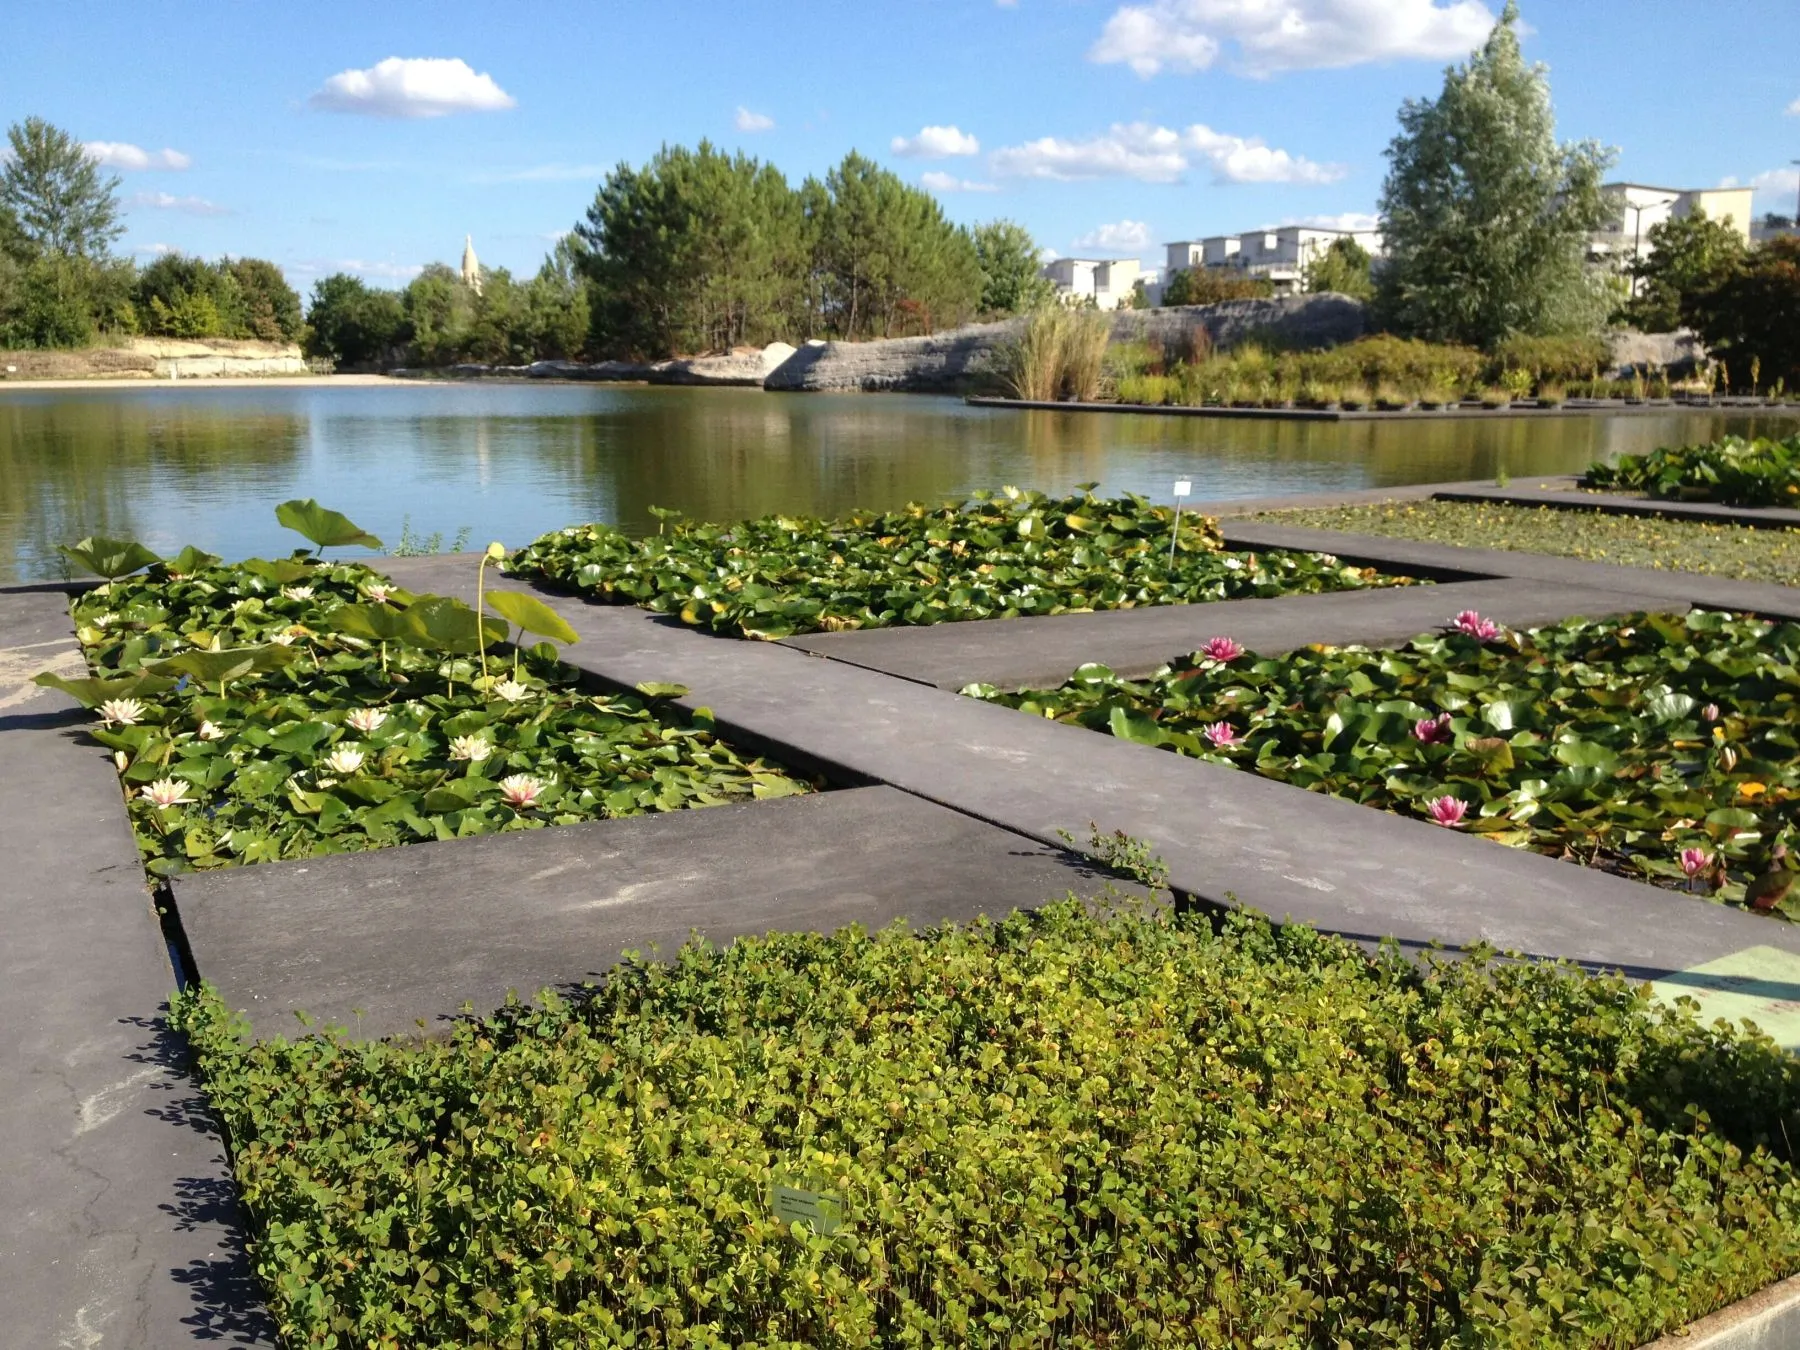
x,y
91,692
109,558
530,614
325,527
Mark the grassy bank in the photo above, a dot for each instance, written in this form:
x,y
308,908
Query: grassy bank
x,y
1059,1130
1686,546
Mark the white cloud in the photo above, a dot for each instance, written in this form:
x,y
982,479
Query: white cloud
x,y
123,155
154,250
1794,108
414,86
1155,154
1125,236
933,181
385,271
544,173
1277,35
193,206
753,121
935,143
1782,182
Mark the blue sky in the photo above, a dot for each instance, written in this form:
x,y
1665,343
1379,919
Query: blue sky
x,y
1106,128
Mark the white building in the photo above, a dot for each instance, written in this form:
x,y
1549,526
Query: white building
x,y
1105,280
1637,207
1280,256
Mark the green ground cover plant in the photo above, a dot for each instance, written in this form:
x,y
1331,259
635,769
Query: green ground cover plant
x,y
289,708
1737,551
1735,471
1067,1128
994,556
1661,747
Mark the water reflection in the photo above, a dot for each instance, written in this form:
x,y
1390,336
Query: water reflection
x,y
205,466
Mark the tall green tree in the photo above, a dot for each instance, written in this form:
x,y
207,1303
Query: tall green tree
x,y
440,311
1345,268
1690,257
352,324
1753,315
1485,216
270,308
55,193
1011,280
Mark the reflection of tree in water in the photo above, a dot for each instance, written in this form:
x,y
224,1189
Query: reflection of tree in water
x,y
95,464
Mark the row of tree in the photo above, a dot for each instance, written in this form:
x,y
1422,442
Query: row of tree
x,y
60,286
699,251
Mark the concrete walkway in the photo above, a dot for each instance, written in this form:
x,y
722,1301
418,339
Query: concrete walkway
x,y
1565,494
119,1224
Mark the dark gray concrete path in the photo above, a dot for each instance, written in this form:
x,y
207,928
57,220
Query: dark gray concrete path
x,y
119,1225
1041,651
1227,836
380,942
1565,494
1658,588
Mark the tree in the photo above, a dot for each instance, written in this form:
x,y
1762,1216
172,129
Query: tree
x,y
1212,286
1486,217
1011,282
182,296
440,310
555,306
1753,315
270,307
55,193
352,324
1344,267
1690,257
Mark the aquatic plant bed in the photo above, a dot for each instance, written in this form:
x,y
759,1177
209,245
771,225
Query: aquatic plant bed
x,y
1524,408
1059,1129
292,708
1001,556
1733,471
1739,552
1659,747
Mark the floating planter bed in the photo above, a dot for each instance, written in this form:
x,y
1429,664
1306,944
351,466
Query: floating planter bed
x,y
1013,554
285,709
1061,1129
1732,472
1663,748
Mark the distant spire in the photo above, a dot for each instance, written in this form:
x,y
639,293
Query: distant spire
x,y
471,269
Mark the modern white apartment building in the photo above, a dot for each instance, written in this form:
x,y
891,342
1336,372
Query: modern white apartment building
x,y
1280,255
1105,280
1638,206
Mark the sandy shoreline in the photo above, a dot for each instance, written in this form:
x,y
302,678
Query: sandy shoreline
x,y
213,382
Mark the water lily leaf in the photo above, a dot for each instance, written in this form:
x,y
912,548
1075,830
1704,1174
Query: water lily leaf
x,y
190,560
378,623
1129,726
531,614
109,558
91,693
231,664
661,689
1585,754
448,625
325,527
1668,706
281,571
1495,754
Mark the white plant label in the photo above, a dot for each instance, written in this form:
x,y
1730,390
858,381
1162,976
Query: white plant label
x,y
1183,488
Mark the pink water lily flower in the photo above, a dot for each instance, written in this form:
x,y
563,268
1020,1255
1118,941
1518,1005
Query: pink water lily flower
x,y
1471,623
1694,861
1434,730
1710,713
1222,650
1448,811
1221,735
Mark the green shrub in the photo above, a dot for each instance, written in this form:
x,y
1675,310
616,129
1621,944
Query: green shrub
x,y
992,557
1061,1129
1553,359
1733,471
1150,389
1618,743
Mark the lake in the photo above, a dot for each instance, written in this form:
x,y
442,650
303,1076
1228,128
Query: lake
x,y
206,466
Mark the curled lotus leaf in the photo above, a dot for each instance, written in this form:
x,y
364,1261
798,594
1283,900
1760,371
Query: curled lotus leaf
x,y
377,623
233,663
446,624
91,692
325,527
109,558
531,614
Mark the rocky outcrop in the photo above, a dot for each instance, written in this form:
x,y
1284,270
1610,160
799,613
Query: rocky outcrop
x,y
1678,354
158,359
745,366
955,361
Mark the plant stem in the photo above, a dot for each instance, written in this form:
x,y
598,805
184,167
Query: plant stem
x,y
480,627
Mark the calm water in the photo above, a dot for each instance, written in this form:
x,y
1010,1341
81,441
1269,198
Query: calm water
x,y
206,466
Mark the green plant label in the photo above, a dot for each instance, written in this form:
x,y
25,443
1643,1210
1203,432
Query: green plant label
x,y
1758,983
824,1212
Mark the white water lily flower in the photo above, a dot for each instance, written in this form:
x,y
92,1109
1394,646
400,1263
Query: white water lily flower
x,y
365,720
470,747
282,639
521,790
511,690
210,731
346,759
121,712
378,593
101,620
166,792
297,592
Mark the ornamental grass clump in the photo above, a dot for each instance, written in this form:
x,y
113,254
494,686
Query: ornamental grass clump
x,y
1619,744
291,708
1063,1129
1733,471
994,556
